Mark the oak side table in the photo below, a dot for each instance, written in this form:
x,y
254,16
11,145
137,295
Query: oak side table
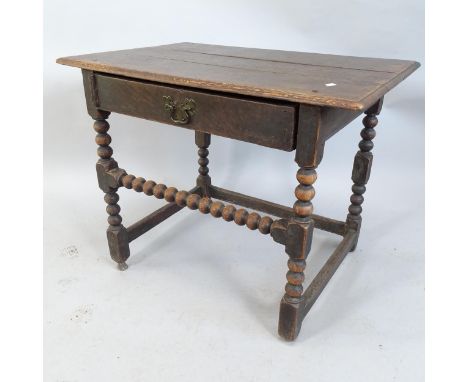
x,y
278,99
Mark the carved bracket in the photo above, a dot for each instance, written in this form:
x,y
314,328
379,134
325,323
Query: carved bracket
x,y
296,236
109,174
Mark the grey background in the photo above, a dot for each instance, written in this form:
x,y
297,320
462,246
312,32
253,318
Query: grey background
x,y
200,299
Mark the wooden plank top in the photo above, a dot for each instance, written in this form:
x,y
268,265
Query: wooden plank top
x,y
319,79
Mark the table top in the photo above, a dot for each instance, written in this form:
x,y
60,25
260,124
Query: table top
x,y
318,79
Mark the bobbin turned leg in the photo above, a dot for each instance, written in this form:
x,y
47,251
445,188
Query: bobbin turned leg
x,y
117,236
298,243
202,140
361,170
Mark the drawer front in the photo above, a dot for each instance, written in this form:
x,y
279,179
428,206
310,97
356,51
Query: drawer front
x,y
263,123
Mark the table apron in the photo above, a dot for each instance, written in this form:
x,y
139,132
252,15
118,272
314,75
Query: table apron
x,y
270,124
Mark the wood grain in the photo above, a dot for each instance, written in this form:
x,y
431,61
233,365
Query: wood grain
x,y
291,76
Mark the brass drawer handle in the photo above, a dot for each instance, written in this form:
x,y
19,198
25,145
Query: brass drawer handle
x,y
180,112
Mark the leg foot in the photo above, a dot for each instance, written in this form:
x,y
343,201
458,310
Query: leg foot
x,y
353,248
117,238
290,319
122,266
354,224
